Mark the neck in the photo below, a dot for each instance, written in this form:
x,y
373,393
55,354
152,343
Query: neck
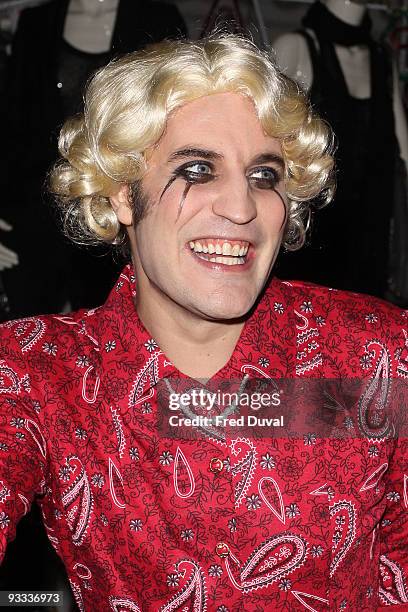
x,y
198,348
349,12
89,24
92,8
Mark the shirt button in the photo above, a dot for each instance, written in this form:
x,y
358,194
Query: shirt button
x,y
216,465
222,549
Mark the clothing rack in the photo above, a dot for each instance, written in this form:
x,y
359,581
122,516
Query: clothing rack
x,y
11,4
6,5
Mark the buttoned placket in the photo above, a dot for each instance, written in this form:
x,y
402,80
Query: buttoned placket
x,y
222,533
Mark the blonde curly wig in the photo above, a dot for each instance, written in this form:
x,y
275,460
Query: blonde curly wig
x,y
126,107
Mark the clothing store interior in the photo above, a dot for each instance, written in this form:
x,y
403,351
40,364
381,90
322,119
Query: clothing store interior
x,y
352,59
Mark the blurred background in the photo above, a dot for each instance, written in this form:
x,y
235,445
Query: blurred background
x,y
352,58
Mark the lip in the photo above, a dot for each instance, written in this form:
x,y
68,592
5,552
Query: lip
x,y
220,267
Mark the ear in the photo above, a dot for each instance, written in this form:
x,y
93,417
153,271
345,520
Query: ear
x,y
121,205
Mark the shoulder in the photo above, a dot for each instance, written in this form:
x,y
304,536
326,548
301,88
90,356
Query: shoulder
x,y
289,45
352,311
293,57
40,346
352,330
289,38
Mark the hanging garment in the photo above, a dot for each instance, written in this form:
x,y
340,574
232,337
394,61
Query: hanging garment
x,y
349,243
44,73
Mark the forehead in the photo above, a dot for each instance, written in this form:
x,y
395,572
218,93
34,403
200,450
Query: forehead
x,y
226,123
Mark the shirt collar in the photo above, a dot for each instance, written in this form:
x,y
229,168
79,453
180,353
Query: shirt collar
x,y
257,354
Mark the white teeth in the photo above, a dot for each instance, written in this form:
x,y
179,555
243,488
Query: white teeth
x,y
228,261
226,249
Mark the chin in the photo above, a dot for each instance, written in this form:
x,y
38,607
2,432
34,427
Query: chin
x,y
227,310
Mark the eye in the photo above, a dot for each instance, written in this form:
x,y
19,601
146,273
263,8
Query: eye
x,y
196,172
265,178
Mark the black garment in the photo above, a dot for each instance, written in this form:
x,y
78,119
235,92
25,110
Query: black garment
x,y
349,244
36,106
329,27
74,69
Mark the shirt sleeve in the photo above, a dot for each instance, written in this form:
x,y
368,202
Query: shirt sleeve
x,y
393,568
22,452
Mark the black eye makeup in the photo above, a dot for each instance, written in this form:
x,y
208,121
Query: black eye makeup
x,y
199,172
265,177
196,172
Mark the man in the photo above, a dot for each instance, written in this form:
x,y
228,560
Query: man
x,y
202,159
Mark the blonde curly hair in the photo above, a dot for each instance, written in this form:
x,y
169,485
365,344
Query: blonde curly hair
x,y
126,107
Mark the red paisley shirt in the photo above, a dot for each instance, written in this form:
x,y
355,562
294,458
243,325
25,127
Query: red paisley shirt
x,y
146,522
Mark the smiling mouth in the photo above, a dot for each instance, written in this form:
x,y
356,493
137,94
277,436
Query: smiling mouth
x,y
221,251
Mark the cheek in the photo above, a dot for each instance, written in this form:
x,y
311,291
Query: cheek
x,y
283,214
277,212
183,199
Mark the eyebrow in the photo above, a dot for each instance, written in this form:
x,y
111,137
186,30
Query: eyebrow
x,y
195,152
213,155
270,157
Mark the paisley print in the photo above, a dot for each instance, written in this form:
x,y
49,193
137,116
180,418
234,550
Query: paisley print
x,y
34,430
25,503
243,466
90,398
147,520
149,373
373,417
269,562
82,571
27,331
279,512
393,589
374,478
182,472
402,367
308,347
249,367
119,432
76,590
4,492
116,485
10,382
77,500
324,489
344,533
122,604
311,602
192,595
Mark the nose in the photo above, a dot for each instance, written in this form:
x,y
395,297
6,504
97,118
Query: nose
x,y
235,202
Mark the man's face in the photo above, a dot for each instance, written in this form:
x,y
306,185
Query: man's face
x,y
215,217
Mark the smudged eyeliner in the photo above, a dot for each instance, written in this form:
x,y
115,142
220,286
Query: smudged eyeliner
x,y
195,178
